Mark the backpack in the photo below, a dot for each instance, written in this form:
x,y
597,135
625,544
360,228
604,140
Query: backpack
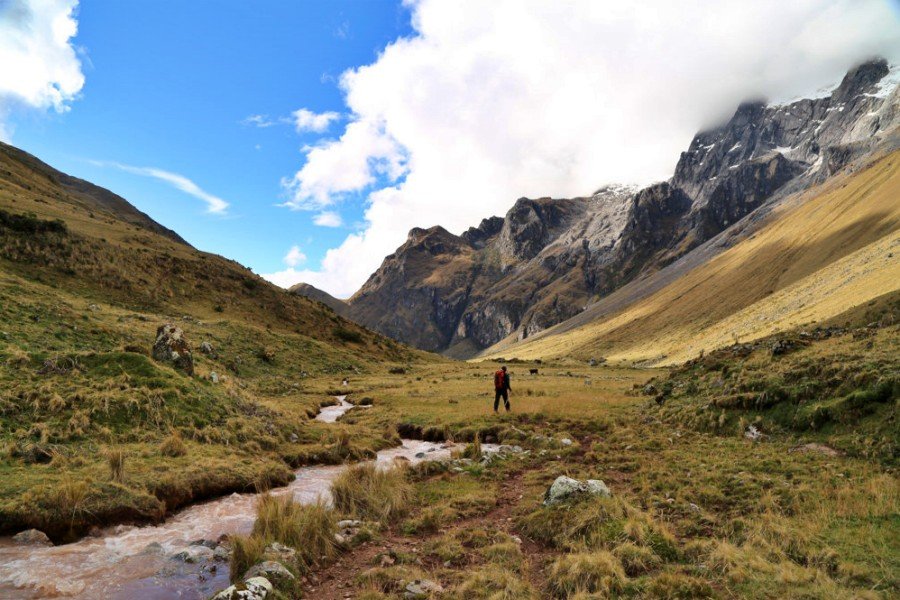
x,y
499,380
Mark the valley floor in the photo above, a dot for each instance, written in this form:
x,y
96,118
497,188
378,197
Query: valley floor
x,y
722,513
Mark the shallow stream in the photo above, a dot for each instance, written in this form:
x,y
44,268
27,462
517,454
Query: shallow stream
x,y
128,562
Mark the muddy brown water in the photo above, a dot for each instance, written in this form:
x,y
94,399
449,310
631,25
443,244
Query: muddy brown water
x,y
128,562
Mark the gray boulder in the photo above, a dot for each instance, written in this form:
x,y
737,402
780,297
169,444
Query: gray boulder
x,y
270,570
255,588
172,347
421,589
194,554
32,537
565,488
280,552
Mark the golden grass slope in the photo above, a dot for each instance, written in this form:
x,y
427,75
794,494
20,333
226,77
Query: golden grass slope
x,y
810,262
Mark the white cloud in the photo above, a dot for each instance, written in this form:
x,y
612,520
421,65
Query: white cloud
x,y
307,120
490,101
39,67
294,257
214,204
328,218
259,121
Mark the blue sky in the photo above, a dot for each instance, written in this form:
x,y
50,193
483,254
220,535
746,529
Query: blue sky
x,y
418,113
168,84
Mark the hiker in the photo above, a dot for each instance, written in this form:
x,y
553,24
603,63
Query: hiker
x,y
501,388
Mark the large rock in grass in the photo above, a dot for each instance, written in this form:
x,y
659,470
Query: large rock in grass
x,y
270,570
172,347
255,588
566,488
420,589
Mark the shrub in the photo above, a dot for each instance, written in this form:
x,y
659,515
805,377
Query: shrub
x,y
368,492
591,572
30,224
347,335
173,446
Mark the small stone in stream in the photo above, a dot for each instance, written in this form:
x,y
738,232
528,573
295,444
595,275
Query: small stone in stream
x,y
32,537
271,570
211,544
221,554
255,588
421,589
194,554
420,455
565,488
153,548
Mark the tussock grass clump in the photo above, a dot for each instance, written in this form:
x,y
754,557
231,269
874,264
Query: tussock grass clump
x,y
173,445
636,560
591,572
677,586
494,583
246,551
472,450
70,496
308,528
368,492
115,459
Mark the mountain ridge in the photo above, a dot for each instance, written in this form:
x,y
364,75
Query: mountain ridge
x,y
547,260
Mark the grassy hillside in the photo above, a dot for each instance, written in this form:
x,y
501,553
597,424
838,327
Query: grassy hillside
x,y
833,248
84,284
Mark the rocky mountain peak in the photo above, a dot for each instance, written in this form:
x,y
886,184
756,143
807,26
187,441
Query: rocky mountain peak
x,y
488,228
860,79
547,259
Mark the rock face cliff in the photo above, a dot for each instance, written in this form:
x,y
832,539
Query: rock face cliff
x,y
548,258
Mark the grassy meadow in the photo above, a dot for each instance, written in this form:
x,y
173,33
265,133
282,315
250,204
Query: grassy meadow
x,y
698,508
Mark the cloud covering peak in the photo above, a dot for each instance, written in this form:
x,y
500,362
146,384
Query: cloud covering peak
x,y
490,101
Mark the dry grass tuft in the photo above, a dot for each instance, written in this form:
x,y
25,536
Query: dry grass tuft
x,y
115,459
590,572
368,492
173,445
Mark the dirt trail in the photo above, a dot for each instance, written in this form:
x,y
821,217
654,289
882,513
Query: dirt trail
x,y
337,581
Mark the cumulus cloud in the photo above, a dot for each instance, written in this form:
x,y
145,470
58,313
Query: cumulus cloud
x,y
294,257
490,101
39,67
328,218
214,204
307,120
